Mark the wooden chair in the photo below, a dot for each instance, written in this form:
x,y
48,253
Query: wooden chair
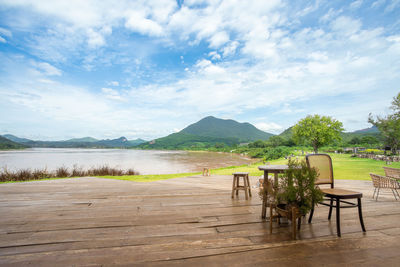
x,y
323,163
380,181
236,185
392,172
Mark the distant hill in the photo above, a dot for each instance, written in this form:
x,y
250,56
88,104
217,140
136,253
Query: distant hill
x,y
287,134
371,130
119,142
16,139
6,143
85,142
83,139
207,132
346,136
214,127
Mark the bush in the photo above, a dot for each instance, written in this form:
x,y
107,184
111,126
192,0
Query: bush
x,y
277,152
62,172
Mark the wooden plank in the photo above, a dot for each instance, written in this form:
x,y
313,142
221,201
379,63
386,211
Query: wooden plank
x,y
89,221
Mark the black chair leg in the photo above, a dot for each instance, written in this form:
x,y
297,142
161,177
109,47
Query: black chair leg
x,y
360,214
337,217
311,214
330,209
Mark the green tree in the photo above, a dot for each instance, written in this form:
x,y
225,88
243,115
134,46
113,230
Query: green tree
x,y
317,131
276,141
389,126
355,140
370,140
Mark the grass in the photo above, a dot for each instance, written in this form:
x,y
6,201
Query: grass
x,y
344,167
61,172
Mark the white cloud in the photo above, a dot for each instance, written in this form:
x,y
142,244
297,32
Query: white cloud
x,y
46,68
214,55
95,39
219,39
263,57
5,32
230,49
112,94
356,4
137,22
270,127
346,25
378,3
114,83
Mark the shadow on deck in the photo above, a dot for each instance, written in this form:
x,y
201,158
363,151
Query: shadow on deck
x,y
183,221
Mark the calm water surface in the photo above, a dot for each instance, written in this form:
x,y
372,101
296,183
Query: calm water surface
x,y
143,161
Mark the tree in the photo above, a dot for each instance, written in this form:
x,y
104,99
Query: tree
x,y
276,141
389,126
317,131
355,140
370,140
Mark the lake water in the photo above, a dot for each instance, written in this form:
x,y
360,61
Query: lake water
x,y
143,161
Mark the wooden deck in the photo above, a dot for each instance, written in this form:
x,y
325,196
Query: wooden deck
x,y
184,221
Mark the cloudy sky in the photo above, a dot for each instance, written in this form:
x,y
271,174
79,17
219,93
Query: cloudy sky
x,y
147,68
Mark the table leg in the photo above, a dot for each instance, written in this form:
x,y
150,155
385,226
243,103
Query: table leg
x,y
264,204
276,180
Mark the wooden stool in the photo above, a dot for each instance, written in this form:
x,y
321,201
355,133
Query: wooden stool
x,y
246,184
206,172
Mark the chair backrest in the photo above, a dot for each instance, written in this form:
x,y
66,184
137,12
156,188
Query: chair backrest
x,y
392,172
376,179
384,182
323,164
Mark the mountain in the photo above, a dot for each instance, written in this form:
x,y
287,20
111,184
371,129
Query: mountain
x,y
137,141
371,130
287,134
346,136
83,139
85,142
209,132
120,142
6,143
219,128
16,139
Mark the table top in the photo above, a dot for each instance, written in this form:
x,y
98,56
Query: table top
x,y
272,168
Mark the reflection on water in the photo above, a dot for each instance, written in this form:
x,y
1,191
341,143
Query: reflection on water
x,y
143,161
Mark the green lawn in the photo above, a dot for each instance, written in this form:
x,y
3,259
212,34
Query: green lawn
x,y
344,167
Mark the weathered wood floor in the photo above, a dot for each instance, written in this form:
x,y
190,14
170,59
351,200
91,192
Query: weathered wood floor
x,y
184,221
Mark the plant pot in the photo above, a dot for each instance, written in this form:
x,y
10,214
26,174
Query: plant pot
x,y
286,210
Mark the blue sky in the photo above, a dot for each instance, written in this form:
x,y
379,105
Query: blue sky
x,y
145,69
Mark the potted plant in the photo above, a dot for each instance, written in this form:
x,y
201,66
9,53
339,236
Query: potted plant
x,y
294,195
297,190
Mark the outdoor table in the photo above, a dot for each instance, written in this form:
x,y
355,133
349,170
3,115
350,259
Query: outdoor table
x,y
275,169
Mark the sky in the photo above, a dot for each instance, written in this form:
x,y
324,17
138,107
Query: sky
x,y
148,68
